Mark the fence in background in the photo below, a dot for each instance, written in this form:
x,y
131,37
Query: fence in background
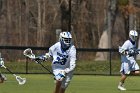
x,y
15,60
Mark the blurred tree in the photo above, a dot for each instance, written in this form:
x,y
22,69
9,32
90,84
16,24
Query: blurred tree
x,y
105,40
65,14
34,22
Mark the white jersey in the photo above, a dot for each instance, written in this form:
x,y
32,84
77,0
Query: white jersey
x,y
126,46
128,62
62,59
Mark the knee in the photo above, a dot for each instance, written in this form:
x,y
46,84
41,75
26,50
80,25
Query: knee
x,y
65,85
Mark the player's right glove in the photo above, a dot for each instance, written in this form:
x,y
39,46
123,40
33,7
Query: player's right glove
x,y
39,59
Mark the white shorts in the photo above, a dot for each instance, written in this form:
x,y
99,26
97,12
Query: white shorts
x,y
127,67
66,80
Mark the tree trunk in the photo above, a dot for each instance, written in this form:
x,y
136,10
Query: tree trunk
x,y
39,35
105,40
65,14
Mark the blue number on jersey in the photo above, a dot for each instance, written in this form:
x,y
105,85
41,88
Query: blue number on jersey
x,y
60,61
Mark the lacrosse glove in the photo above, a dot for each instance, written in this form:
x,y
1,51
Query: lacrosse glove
x,y
39,59
60,76
131,52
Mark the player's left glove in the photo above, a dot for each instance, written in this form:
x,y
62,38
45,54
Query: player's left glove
x,y
133,52
60,76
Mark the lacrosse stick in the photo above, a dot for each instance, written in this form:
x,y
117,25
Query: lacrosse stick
x,y
20,80
28,53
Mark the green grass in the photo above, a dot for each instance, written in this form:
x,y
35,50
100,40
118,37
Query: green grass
x,y
43,83
82,67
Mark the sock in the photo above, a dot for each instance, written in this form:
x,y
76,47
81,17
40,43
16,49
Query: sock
x,y
121,83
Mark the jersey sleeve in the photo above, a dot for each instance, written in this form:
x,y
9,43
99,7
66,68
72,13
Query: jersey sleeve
x,y
124,47
72,60
51,49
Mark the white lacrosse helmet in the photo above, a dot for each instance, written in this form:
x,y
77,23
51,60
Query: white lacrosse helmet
x,y
65,39
133,34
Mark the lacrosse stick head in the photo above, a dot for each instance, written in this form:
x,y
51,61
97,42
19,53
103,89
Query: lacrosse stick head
x,y
28,53
20,80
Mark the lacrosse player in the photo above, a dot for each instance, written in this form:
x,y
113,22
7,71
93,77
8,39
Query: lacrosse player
x,y
63,54
128,53
2,77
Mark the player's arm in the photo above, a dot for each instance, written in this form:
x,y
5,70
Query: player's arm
x,y
72,61
46,56
129,52
72,66
123,50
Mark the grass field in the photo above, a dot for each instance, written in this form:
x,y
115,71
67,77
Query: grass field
x,y
43,83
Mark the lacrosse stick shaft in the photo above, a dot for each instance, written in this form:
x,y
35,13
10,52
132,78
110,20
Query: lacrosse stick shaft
x,y
9,70
46,68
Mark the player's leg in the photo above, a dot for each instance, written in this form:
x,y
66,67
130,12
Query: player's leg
x,y
58,80
57,86
123,78
135,69
121,83
124,71
135,72
62,90
2,78
66,82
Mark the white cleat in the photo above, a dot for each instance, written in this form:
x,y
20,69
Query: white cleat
x,y
121,88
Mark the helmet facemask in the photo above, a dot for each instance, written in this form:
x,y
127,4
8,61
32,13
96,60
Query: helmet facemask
x,y
65,40
133,35
133,38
